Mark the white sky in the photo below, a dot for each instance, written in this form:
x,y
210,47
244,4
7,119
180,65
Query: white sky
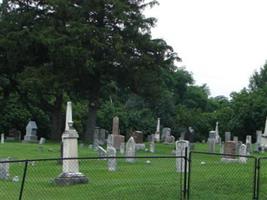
x,y
222,42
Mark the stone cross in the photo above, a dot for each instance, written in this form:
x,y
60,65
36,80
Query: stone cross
x,y
112,162
130,150
243,152
181,146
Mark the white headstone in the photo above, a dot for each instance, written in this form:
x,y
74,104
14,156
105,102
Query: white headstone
x,y
112,162
265,129
122,148
227,136
152,147
31,132
243,152
42,140
130,150
181,147
211,145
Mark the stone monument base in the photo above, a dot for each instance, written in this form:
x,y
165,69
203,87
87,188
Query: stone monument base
x,y
71,179
230,160
30,138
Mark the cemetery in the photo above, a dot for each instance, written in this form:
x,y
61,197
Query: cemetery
x,y
121,168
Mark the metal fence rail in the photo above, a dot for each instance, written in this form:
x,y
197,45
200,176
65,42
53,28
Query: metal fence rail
x,y
147,178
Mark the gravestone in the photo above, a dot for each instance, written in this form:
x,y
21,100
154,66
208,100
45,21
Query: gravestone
x,y
151,138
116,138
122,148
101,153
2,138
230,148
157,133
130,150
182,136
217,136
243,152
169,139
227,136
222,148
4,169
70,168
181,147
99,136
31,132
138,137
264,137
112,162
139,147
258,141
189,135
211,145
166,132
152,147
42,140
249,144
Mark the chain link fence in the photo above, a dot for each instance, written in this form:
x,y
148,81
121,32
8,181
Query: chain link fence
x,y
262,178
145,178
222,176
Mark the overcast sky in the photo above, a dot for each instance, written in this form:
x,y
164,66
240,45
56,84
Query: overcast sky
x,y
222,42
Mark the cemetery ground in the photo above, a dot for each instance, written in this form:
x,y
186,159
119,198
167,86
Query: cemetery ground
x,y
209,178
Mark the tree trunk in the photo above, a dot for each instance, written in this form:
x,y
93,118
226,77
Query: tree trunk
x,y
91,123
57,119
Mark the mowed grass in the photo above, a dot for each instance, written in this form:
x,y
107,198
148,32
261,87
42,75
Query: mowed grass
x,y
210,178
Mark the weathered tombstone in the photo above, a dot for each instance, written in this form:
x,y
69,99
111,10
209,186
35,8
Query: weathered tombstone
x,y
217,136
122,148
42,140
31,132
222,148
264,137
152,147
70,168
258,141
166,132
227,136
139,147
181,147
157,133
169,139
138,137
2,138
130,150
4,169
189,135
230,148
243,152
112,162
151,138
116,138
249,144
101,153
182,136
211,145
235,139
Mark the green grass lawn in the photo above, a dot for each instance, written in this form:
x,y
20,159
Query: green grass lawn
x,y
210,178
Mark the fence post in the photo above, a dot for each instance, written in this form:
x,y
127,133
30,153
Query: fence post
x,y
185,173
189,173
257,192
23,179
